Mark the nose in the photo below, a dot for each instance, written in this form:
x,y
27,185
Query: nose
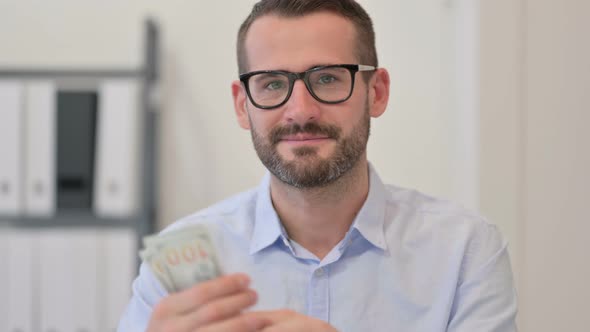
x,y
301,106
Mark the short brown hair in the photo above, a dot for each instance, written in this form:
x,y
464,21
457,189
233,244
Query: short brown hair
x,y
348,9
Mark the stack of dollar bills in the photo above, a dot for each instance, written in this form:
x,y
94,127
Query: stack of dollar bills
x,y
181,258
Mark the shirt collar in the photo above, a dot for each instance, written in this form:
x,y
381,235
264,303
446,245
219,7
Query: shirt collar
x,y
267,225
369,222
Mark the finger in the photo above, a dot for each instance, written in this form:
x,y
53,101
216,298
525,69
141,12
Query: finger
x,y
215,313
298,324
274,316
223,308
291,325
286,326
189,300
291,321
241,323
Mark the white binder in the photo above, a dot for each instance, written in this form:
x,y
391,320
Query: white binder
x,y
68,281
55,281
118,168
4,286
119,250
86,283
11,110
40,148
21,288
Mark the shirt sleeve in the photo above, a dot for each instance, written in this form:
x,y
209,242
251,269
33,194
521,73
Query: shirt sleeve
x,y
485,298
147,292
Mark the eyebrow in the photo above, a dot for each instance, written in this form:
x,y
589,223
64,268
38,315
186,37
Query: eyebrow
x,y
322,65
308,68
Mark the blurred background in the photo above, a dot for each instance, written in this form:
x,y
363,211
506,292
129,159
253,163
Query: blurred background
x,y
489,108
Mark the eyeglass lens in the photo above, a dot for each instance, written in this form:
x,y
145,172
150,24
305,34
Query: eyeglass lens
x,y
331,84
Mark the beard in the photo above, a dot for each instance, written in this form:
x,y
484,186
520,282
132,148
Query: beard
x,y
308,169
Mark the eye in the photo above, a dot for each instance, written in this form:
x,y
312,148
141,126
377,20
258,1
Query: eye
x,y
275,85
326,79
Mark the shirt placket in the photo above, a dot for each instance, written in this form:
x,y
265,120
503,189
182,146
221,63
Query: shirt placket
x,y
319,294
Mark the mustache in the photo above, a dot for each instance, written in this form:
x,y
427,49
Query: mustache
x,y
312,128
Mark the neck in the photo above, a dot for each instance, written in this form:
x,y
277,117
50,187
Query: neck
x,y
318,218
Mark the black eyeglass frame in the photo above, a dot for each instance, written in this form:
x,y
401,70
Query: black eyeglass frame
x,y
304,76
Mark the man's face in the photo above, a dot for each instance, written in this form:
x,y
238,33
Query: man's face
x,y
306,143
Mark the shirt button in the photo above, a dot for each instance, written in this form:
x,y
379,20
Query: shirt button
x,y
319,272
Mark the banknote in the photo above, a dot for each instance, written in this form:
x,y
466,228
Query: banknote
x,y
159,269
181,258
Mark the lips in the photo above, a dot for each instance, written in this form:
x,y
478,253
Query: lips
x,y
303,137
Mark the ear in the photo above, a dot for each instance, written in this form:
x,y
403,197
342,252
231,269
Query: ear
x,y
240,99
378,92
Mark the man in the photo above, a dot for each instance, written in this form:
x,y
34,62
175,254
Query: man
x,y
322,244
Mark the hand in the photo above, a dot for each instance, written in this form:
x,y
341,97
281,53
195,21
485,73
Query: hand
x,y
290,321
214,305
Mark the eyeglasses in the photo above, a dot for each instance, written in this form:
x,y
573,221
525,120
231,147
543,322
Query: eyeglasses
x,y
332,84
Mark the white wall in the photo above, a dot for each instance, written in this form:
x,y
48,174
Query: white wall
x,y
501,119
556,164
535,155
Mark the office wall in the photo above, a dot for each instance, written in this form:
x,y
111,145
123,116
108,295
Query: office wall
x,y
556,163
501,83
535,156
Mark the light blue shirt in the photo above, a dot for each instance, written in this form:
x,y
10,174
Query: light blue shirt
x,y
408,263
